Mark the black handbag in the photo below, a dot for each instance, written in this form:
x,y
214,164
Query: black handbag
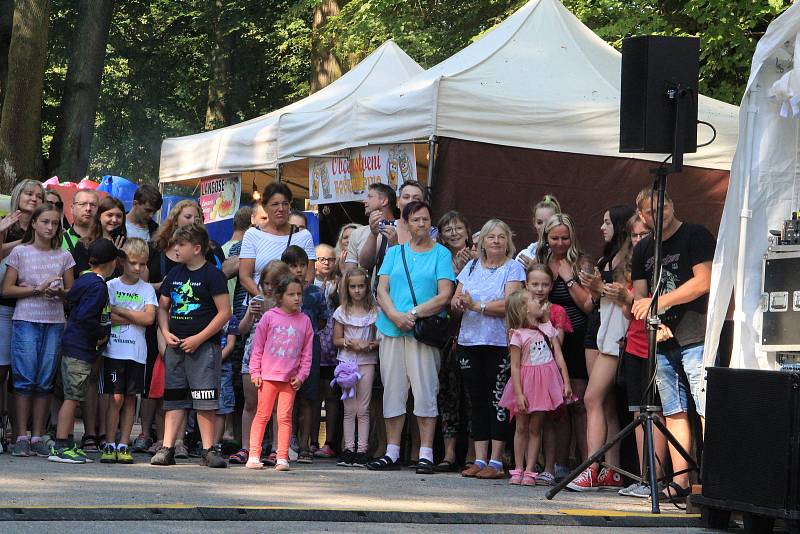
x,y
433,330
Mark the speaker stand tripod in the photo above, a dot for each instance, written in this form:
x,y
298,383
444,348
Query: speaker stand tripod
x,y
648,412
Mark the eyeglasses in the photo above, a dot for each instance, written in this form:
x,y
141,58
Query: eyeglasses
x,y
453,229
641,235
84,204
326,260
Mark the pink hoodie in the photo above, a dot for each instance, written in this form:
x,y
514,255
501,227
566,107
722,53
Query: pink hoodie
x,y
282,347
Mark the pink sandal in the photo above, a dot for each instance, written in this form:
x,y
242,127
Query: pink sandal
x,y
516,477
529,478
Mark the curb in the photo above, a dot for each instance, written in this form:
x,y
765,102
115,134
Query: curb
x,y
199,513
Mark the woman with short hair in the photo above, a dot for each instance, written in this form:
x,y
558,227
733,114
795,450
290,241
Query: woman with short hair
x,y
483,286
415,281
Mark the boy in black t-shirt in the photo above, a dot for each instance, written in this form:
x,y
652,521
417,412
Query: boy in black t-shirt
x,y
193,308
682,303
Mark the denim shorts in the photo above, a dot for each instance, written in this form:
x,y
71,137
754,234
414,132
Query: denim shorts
x,y
34,350
679,372
227,401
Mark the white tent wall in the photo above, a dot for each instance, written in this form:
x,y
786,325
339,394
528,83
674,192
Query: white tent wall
x,y
540,79
762,192
314,125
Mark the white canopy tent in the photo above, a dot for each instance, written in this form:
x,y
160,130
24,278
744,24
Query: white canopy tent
x,y
314,125
540,79
762,192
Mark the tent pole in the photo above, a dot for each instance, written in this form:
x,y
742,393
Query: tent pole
x,y
278,173
739,315
431,163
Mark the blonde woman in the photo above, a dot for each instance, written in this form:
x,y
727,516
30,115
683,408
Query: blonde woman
x,y
483,285
559,249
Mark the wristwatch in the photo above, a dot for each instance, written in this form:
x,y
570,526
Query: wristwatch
x,y
483,307
570,282
414,312
36,292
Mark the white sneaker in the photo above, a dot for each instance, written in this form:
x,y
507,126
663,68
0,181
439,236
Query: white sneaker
x,y
254,463
639,490
282,465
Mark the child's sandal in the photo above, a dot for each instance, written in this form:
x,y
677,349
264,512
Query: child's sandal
x,y
529,478
516,477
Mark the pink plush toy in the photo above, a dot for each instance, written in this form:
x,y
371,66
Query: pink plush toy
x,y
347,376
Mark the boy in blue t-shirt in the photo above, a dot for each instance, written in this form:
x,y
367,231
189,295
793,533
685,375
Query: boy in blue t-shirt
x,y
194,307
316,308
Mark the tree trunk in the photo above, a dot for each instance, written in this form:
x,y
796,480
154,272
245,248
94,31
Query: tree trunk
x,y
20,126
72,141
325,66
218,111
6,26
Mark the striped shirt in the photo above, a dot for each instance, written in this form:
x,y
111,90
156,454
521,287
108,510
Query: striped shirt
x,y
560,295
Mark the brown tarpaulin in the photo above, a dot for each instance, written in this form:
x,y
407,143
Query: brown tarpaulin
x,y
484,181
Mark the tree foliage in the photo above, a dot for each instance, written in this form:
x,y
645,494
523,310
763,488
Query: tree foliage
x,y
177,67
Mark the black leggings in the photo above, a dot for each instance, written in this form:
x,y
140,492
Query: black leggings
x,y
486,371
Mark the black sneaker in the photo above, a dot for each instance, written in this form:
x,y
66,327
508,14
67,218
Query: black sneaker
x,y
212,458
305,457
164,456
346,459
425,467
361,459
383,464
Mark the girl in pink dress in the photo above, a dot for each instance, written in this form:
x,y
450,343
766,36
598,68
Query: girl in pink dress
x,y
539,379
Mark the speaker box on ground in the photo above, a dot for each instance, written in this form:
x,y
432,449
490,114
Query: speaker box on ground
x,y
752,438
651,65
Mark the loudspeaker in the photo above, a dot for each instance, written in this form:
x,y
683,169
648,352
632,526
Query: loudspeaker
x,y
751,453
651,65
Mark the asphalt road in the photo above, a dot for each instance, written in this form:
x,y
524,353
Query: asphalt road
x,y
331,498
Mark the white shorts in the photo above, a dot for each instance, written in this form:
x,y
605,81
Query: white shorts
x,y
404,363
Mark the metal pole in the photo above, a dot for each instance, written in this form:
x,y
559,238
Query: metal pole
x,y
431,164
739,316
278,173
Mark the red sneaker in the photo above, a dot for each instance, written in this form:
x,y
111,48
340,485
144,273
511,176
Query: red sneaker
x,y
586,481
609,479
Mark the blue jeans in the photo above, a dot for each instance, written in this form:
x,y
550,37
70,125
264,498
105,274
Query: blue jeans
x,y
227,400
34,349
673,388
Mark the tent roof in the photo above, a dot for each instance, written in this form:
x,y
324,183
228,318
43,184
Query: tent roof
x,y
309,126
540,79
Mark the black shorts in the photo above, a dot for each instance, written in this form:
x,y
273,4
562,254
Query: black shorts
x,y
122,377
575,354
634,370
310,389
592,328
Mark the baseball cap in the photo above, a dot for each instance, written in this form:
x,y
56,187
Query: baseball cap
x,y
103,251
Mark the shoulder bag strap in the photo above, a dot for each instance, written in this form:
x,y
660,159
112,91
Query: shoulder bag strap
x,y
70,242
546,338
291,233
163,264
408,275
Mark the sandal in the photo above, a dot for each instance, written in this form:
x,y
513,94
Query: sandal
x,y
239,457
446,466
529,478
516,477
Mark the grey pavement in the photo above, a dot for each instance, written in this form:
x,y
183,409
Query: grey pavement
x,y
317,492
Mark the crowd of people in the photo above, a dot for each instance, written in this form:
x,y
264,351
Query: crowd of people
x,y
400,332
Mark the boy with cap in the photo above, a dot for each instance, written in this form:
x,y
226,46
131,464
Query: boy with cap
x,y
86,332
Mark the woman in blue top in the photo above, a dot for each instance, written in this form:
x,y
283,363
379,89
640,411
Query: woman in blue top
x,y
405,361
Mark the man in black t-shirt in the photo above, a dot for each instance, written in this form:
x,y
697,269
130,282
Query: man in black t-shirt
x,y
682,303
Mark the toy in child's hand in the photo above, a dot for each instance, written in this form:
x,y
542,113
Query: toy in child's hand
x,y
347,376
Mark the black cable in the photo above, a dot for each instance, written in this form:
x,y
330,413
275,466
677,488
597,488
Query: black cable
x,y
713,137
